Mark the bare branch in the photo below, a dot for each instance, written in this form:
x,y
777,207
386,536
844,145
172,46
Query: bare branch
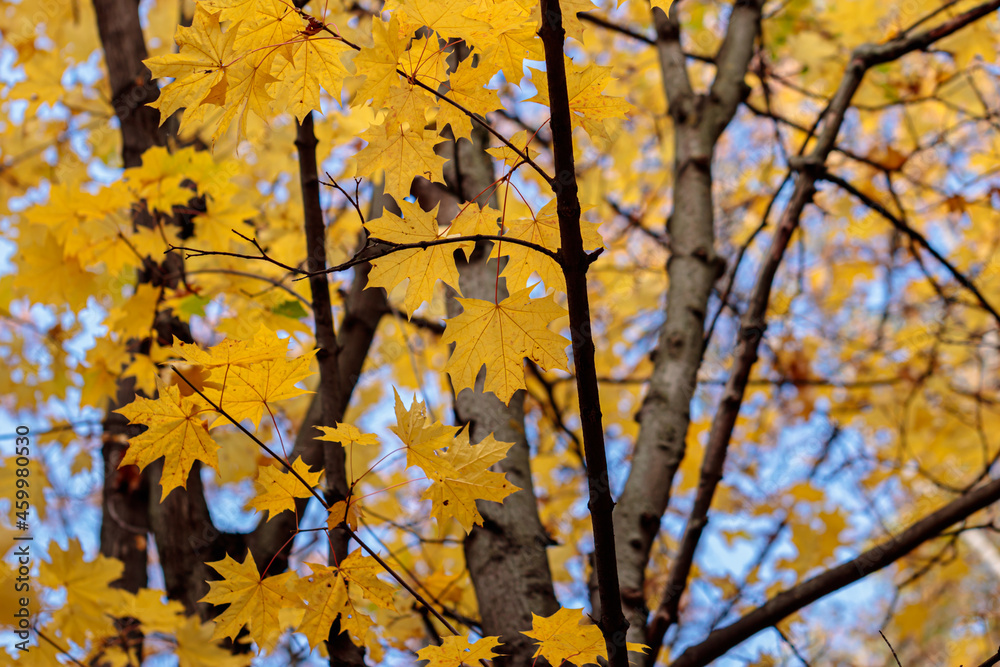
x,y
883,554
917,237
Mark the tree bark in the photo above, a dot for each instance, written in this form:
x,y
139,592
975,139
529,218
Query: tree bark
x,y
506,556
693,268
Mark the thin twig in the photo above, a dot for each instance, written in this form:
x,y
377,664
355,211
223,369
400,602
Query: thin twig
x,y
915,236
891,649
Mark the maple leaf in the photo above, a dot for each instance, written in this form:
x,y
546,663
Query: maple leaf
x,y
461,476
589,107
153,609
562,637
195,647
316,62
420,437
71,211
198,68
245,392
509,157
407,104
467,87
214,228
500,336
325,591
159,181
176,432
541,229
259,22
327,598
135,317
445,17
455,651
346,435
253,601
422,267
278,488
662,4
49,276
510,39
345,511
247,90
264,346
473,220
378,63
90,599
571,22
403,153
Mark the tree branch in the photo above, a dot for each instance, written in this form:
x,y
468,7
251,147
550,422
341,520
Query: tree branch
x,y
915,236
883,554
343,652
575,264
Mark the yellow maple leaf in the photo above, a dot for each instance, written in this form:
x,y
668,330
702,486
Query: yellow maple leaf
x,y
145,372
277,488
467,86
154,611
446,17
455,651
315,62
247,89
264,345
198,68
326,592
420,437
90,599
422,267
662,4
253,601
501,335
195,647
589,106
541,229
176,432
562,637
271,24
474,219
244,392
403,153
346,435
461,476
345,511
378,63
410,105
571,22
327,598
71,211
135,317
48,276
511,37
214,228
509,157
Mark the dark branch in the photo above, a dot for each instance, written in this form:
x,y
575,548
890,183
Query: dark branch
x,y
885,553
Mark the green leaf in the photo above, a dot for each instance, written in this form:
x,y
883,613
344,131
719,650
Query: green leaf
x,y
194,305
291,308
